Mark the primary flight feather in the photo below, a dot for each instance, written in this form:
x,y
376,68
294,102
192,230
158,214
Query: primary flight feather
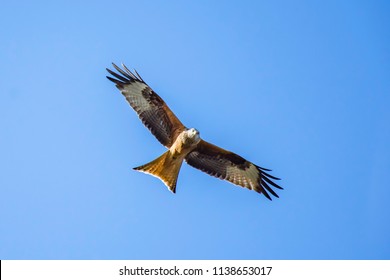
x,y
185,144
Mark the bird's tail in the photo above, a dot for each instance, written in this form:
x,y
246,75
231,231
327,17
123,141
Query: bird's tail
x,y
165,167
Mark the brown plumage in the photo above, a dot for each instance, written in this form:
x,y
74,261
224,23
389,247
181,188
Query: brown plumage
x,y
185,144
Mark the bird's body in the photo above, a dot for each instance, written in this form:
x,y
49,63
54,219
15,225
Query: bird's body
x,y
167,166
186,141
185,144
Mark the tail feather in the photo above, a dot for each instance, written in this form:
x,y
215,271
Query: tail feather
x,y
165,167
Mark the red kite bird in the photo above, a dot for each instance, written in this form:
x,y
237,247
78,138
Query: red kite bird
x,y
183,143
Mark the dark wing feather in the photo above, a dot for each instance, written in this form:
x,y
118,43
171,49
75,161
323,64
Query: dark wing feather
x,y
229,166
151,109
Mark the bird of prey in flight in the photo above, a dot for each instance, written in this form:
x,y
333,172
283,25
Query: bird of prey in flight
x,y
185,143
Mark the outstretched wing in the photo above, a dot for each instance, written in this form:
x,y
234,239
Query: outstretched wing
x,y
229,166
151,109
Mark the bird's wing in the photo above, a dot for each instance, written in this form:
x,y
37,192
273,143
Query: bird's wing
x,y
151,109
229,166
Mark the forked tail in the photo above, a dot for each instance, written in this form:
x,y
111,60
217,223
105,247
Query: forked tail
x,y
165,167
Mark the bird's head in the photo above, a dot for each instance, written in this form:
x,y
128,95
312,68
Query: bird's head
x,y
193,135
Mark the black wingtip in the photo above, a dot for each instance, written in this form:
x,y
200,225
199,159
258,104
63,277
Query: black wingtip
x,y
111,79
266,183
131,73
124,75
268,188
265,179
264,192
124,79
262,168
270,176
118,83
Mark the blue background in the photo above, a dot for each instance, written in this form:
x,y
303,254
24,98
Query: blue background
x,y
301,87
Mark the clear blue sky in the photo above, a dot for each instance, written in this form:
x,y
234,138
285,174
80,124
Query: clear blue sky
x,y
300,87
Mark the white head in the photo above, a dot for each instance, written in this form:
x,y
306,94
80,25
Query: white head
x,y
193,135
